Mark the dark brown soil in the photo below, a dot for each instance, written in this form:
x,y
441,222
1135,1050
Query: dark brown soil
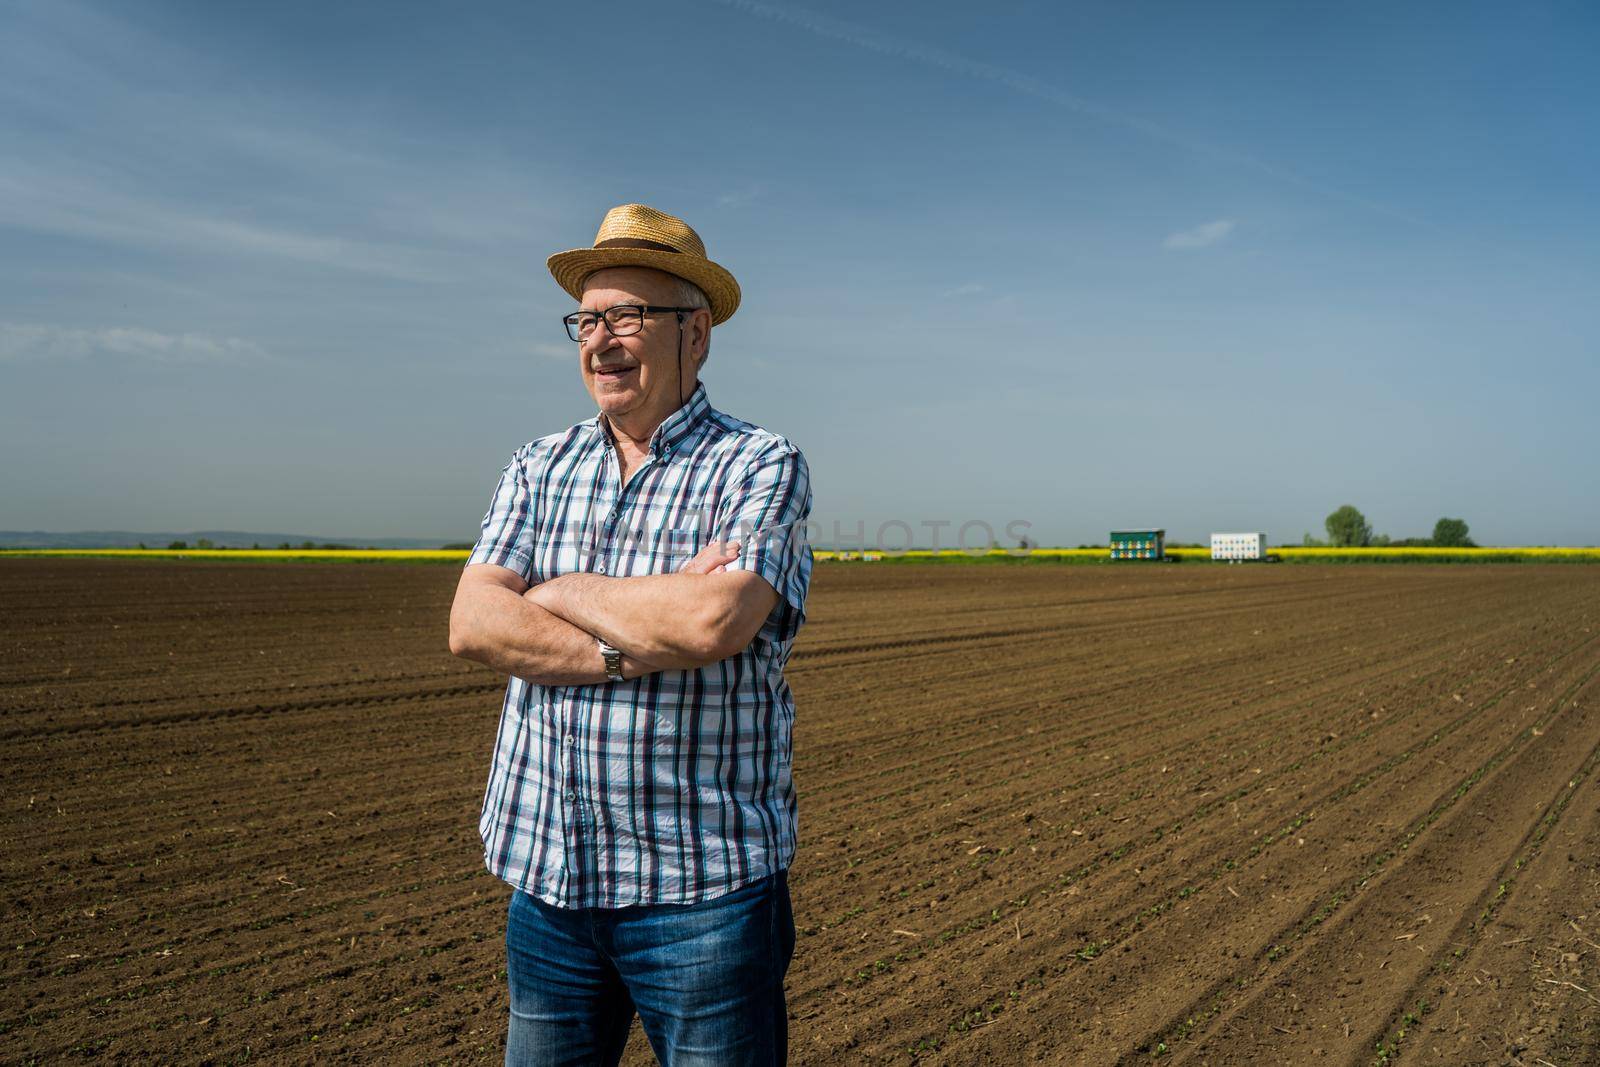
x,y
1059,814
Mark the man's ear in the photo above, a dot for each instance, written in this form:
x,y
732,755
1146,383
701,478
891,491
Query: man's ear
x,y
700,336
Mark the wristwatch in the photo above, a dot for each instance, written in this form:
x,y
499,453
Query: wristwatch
x,y
613,658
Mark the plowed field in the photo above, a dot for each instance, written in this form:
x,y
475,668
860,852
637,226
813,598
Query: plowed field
x,y
1048,814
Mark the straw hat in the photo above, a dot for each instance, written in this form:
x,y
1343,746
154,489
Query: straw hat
x,y
633,235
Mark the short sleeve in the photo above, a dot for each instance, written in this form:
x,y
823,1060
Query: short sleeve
x,y
765,509
506,539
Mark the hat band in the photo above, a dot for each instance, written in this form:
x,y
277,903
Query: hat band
x,y
631,242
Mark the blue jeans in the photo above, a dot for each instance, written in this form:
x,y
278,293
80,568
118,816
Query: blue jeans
x,y
706,979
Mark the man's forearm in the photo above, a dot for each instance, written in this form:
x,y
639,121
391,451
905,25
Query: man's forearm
x,y
669,620
513,635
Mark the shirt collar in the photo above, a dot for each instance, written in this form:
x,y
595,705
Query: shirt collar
x,y
673,429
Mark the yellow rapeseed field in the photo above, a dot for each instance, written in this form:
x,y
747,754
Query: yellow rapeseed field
x,y
408,555
1288,554
1522,552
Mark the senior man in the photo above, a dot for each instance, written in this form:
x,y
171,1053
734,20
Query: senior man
x,y
642,576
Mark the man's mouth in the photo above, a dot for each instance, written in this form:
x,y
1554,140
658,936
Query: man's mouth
x,y
613,372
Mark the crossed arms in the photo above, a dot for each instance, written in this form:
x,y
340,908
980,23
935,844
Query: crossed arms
x,y
545,633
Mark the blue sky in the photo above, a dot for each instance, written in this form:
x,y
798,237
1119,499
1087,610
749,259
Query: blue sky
x,y
1228,266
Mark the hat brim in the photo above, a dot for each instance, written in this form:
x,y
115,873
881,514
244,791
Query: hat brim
x,y
571,268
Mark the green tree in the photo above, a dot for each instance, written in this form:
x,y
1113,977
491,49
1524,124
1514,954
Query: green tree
x,y
1452,533
1348,528
178,545
204,542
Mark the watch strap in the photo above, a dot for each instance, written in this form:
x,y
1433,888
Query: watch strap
x,y
613,661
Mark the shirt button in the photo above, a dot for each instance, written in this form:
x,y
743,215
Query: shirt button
x,y
569,739
600,569
571,795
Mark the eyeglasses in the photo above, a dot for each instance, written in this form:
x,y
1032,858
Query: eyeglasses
x,y
620,320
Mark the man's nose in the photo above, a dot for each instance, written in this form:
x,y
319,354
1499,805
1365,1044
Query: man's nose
x,y
593,344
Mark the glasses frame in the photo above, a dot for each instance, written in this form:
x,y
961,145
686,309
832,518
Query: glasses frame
x,y
570,321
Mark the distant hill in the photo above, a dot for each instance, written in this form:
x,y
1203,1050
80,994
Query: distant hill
x,y
219,538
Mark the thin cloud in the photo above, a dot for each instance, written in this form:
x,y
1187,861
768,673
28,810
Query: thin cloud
x,y
58,205
969,289
899,48
312,188
1202,236
552,351
30,341
738,197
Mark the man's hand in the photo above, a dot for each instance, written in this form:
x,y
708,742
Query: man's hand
x,y
712,559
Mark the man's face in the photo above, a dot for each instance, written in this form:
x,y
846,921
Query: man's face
x,y
634,378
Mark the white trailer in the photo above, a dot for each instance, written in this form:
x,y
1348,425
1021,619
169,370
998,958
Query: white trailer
x,y
1238,546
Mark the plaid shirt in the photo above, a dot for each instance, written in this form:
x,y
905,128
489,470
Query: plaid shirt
x,y
674,787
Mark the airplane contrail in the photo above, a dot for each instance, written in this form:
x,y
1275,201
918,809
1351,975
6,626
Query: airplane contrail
x,y
900,48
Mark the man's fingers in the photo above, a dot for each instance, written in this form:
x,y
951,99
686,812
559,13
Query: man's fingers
x,y
711,558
